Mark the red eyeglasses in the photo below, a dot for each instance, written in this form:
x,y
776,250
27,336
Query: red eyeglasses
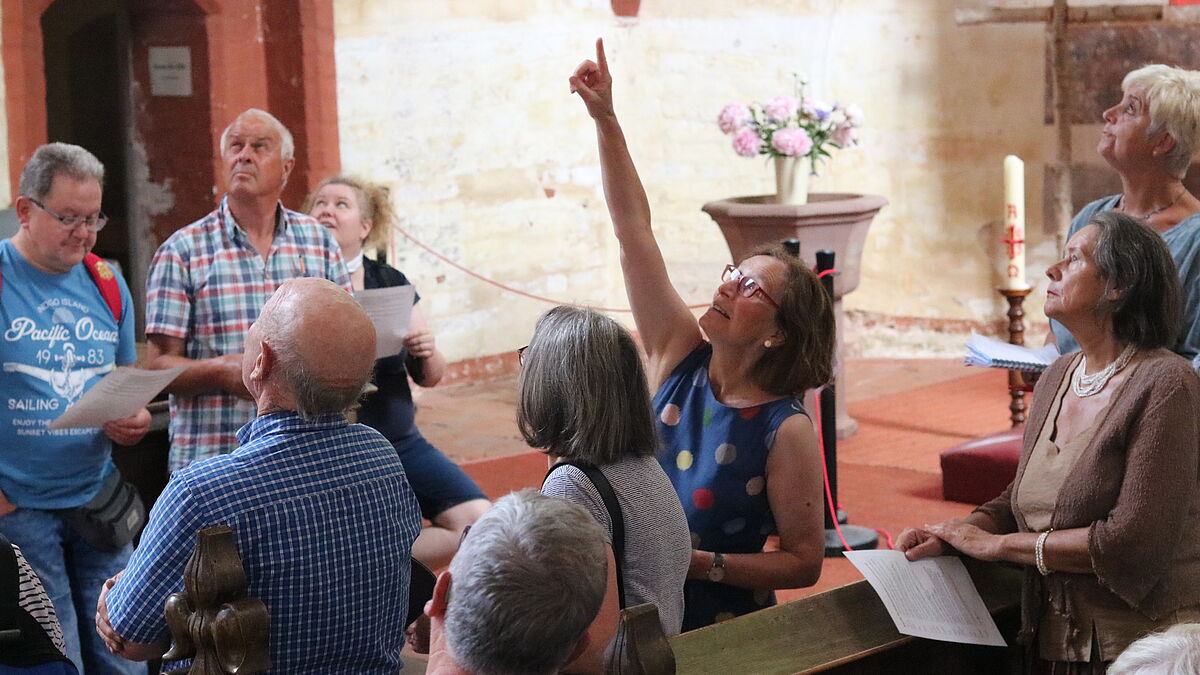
x,y
748,287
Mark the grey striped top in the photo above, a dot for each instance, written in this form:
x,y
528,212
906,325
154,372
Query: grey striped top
x,y
658,548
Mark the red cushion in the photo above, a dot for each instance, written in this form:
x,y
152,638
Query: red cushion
x,y
978,471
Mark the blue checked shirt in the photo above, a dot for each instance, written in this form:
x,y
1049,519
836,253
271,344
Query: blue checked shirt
x,y
324,520
207,284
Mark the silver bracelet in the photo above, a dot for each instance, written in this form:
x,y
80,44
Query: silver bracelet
x,y
1039,552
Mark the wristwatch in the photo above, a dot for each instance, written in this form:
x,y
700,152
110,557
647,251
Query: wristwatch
x,y
717,571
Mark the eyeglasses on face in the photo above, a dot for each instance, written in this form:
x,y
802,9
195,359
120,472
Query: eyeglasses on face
x,y
521,355
93,223
748,287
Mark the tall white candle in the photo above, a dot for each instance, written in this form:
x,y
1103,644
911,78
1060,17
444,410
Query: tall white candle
x,y
1014,223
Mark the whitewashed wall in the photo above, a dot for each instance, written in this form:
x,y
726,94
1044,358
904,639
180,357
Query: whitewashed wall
x,y
462,108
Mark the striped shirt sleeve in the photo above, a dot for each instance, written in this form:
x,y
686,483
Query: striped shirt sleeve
x,y
32,598
168,297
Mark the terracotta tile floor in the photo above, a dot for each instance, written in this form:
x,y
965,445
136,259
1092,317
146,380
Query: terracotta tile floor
x,y
908,411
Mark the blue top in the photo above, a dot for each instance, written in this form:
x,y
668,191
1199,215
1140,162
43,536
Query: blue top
x,y
324,520
1183,241
716,457
60,339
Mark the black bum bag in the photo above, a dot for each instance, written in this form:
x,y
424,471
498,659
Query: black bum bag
x,y
112,518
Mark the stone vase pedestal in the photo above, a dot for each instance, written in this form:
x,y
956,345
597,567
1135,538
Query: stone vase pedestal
x,y
832,220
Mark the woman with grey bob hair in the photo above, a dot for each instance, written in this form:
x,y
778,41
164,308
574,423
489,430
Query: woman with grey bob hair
x,y
1150,138
1104,511
583,399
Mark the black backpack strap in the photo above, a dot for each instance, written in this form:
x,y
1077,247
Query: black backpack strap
x,y
609,497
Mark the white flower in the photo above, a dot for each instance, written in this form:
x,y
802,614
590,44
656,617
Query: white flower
x,y
854,114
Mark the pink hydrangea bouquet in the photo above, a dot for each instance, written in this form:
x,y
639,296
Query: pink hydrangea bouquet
x,y
790,126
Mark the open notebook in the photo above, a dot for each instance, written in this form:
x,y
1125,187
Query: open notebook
x,y
992,353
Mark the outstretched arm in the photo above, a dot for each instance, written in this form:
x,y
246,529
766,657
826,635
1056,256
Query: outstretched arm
x,y
666,326
220,373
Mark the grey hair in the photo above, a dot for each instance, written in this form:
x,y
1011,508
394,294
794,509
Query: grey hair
x,y
525,585
287,145
312,394
1134,261
53,159
1175,651
582,391
1173,95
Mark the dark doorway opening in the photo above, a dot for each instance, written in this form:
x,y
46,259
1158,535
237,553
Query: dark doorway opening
x,y
84,46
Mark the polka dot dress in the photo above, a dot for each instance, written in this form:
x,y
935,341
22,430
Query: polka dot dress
x,y
716,457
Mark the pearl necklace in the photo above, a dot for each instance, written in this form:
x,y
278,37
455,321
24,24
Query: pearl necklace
x,y
1155,212
1090,385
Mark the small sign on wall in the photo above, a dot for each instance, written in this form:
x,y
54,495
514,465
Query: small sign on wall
x,y
170,71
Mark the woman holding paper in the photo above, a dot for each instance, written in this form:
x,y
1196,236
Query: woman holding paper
x,y
738,446
358,212
1105,507
1150,138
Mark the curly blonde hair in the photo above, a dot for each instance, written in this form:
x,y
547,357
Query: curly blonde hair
x,y
373,200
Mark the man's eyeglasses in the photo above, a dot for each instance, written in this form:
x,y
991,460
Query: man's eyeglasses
x,y
94,223
748,287
521,355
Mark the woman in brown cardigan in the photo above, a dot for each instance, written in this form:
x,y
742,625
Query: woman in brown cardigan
x,y
1105,507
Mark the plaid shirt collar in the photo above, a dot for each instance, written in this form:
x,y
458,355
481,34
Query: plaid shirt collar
x,y
287,422
234,231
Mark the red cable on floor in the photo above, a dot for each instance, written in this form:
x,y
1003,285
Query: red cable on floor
x,y
829,491
886,535
825,473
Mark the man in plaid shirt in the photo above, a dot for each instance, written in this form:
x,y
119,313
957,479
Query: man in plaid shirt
x,y
322,512
209,280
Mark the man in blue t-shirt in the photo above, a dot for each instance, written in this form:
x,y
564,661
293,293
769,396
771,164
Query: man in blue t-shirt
x,y
60,336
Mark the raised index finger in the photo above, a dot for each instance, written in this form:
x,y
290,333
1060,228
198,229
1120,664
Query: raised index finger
x,y
600,59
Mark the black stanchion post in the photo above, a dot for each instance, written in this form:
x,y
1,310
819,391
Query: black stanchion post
x,y
856,537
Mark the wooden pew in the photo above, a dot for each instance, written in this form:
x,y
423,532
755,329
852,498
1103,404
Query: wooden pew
x,y
847,630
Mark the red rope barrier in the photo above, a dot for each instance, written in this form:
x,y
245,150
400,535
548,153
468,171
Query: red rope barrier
x,y
508,288
532,296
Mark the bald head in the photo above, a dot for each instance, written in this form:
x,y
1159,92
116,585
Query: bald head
x,y
313,346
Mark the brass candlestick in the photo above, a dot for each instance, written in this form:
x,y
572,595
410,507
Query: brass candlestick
x,y
1016,336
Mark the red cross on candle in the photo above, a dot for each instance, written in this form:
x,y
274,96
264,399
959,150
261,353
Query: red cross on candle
x,y
1014,239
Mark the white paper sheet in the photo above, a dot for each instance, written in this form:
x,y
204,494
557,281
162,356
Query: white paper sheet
x,y
390,310
121,393
931,598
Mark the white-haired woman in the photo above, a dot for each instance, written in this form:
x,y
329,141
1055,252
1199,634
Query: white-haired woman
x,y
582,398
1150,138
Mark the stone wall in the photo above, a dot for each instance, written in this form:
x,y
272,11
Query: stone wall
x,y
462,108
